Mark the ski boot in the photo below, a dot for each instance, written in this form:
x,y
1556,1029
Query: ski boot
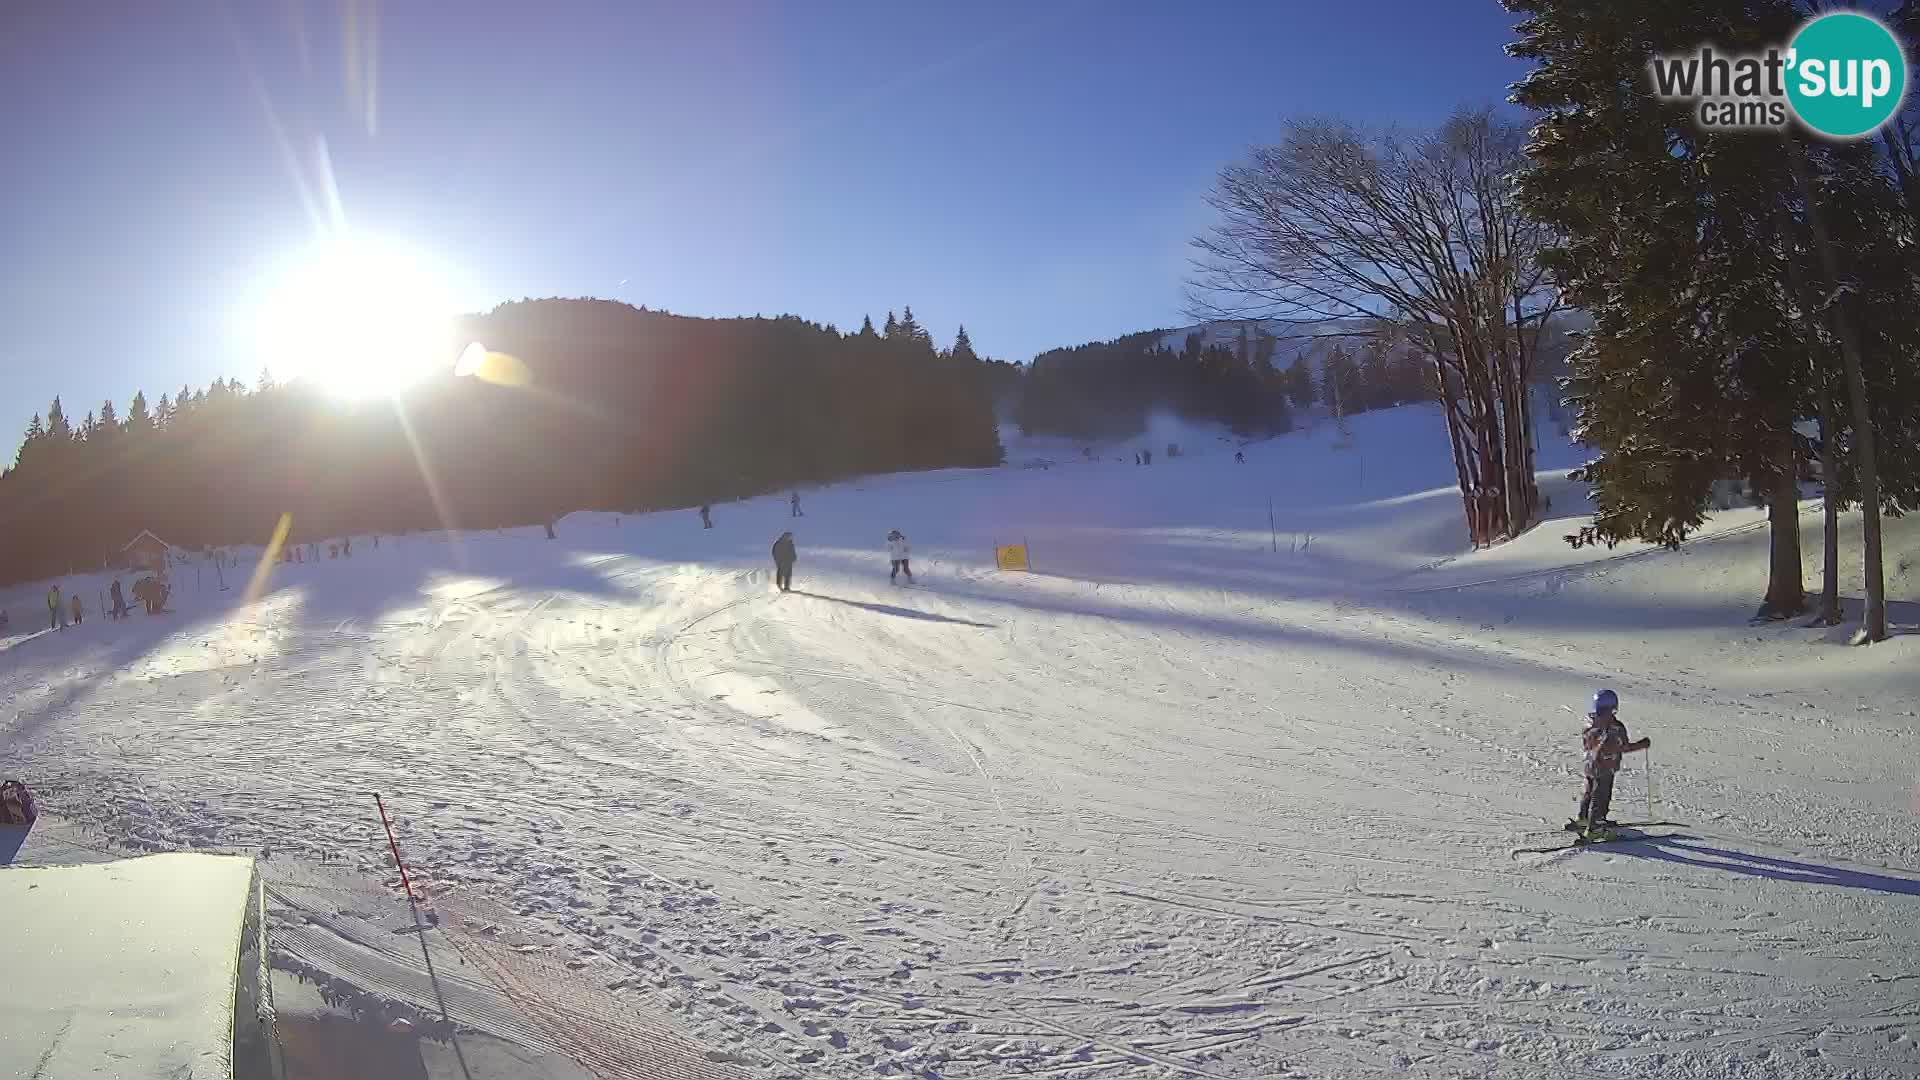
x,y
1597,833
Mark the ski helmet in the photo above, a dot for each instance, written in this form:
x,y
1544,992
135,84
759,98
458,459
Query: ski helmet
x,y
1605,701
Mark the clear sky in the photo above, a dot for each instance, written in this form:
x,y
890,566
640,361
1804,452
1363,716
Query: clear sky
x,y
1032,169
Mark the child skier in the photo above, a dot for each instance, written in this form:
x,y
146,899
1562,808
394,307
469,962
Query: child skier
x,y
900,555
1604,741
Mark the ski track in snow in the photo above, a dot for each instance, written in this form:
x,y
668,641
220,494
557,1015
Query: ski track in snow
x,y
1192,808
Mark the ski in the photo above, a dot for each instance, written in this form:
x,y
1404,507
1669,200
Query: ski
x,y
1583,842
1617,825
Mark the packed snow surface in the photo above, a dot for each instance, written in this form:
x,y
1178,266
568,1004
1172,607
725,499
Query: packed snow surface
x,y
125,965
1226,788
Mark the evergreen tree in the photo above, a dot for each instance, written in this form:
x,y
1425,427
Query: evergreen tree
x,y
1651,207
910,330
1300,383
138,422
963,347
57,427
162,416
31,445
893,328
866,327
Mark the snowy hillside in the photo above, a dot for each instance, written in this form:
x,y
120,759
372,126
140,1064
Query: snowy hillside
x,y
1227,788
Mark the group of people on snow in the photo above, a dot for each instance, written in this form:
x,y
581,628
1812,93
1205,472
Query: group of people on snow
x,y
786,553
57,610
150,591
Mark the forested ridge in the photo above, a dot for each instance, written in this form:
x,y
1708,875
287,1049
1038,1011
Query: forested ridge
x,y
621,409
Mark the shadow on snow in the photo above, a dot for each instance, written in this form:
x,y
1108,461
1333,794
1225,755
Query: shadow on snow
x,y
1686,851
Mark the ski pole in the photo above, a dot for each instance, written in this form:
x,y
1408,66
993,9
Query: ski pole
x,y
1649,753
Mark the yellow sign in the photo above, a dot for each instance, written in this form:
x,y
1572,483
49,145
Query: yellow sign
x,y
1010,556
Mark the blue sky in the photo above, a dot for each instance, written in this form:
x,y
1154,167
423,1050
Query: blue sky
x,y
1032,169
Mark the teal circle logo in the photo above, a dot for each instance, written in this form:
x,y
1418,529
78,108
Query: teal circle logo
x,y
1846,75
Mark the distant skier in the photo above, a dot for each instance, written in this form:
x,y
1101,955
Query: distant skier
x,y
1239,458
793,505
1604,742
79,610
56,616
899,553
1146,456
119,600
1136,457
784,556
706,516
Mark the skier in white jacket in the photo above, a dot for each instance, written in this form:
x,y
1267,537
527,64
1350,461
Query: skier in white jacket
x,y
898,551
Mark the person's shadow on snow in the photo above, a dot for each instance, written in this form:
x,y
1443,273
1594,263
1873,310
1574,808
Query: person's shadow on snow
x,y
889,609
1685,851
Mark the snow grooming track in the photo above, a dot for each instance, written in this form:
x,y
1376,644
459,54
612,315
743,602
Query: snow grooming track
x,y
1188,808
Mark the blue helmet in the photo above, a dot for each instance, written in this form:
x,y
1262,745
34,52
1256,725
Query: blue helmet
x,y
1605,701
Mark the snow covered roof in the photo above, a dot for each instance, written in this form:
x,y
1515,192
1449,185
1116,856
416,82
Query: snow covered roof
x,y
145,535
122,968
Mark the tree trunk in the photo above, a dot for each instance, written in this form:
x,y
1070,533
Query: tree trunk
x,y
1530,440
1830,485
1786,592
1483,433
1444,394
1519,433
1875,622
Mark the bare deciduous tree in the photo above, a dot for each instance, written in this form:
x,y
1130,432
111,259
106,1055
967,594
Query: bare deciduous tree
x,y
1340,232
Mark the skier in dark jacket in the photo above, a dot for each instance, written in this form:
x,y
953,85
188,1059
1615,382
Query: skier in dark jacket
x,y
784,557
119,600
706,516
1604,742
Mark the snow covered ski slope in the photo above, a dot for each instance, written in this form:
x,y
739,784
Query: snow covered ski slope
x,y
1178,804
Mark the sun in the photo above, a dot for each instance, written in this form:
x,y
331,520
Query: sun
x,y
358,317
